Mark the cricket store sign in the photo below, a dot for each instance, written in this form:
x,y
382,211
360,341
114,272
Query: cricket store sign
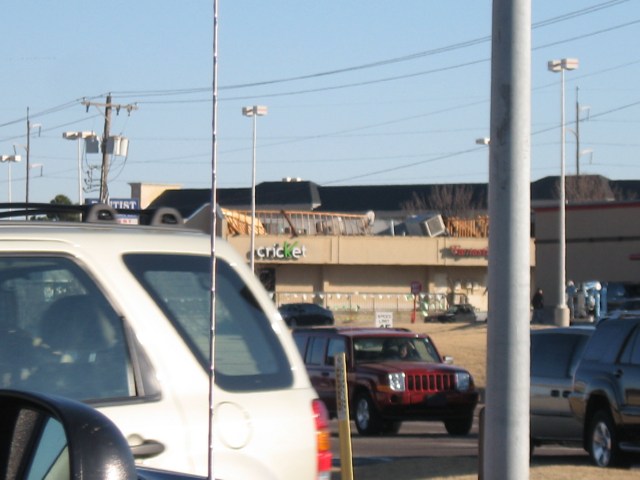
x,y
286,251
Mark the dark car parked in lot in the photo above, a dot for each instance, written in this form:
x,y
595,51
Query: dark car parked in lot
x,y
305,314
555,353
459,312
394,375
606,392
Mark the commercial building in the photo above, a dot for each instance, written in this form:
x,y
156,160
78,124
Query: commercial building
x,y
368,248
602,244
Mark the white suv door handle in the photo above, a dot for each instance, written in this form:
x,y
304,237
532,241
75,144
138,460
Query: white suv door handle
x,y
147,449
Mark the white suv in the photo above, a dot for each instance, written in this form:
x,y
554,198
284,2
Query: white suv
x,y
118,316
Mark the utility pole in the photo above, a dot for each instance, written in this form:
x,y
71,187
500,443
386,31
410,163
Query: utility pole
x,y
28,149
577,135
104,171
26,200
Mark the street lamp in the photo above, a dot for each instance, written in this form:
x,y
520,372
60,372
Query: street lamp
x,y
254,111
562,313
79,136
10,159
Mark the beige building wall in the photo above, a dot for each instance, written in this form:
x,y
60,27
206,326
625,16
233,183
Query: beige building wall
x,y
148,192
602,243
368,250
371,267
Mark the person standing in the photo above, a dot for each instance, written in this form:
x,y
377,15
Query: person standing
x,y
571,299
537,302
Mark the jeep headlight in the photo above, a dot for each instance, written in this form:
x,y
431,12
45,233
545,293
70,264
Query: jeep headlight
x,y
463,381
396,382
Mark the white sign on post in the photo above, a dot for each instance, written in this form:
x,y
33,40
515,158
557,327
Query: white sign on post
x,y
384,319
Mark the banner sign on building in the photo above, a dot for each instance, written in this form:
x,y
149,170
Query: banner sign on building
x,y
121,203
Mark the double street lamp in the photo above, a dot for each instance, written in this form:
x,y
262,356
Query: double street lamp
x,y
561,312
254,111
10,159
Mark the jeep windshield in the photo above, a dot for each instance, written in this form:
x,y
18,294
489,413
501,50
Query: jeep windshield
x,y
383,349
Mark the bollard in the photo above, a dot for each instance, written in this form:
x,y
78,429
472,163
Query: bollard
x,y
481,444
344,429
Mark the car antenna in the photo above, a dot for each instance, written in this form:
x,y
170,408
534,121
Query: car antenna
x,y
213,233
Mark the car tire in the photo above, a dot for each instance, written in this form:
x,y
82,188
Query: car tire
x,y
459,425
391,427
604,449
367,418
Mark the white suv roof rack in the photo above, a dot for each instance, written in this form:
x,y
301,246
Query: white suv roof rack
x,y
96,213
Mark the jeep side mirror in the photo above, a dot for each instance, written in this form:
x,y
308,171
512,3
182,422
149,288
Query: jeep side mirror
x,y
448,359
43,436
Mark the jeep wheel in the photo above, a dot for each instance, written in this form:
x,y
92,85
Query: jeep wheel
x,y
367,418
391,427
459,426
603,443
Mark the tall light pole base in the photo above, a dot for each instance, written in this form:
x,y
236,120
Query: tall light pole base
x,y
561,316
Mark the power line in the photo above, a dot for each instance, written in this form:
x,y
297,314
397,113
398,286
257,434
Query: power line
x,y
405,58
379,63
435,51
381,80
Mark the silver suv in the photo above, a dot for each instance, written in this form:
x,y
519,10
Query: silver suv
x,y
119,316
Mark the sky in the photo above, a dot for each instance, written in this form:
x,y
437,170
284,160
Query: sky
x,y
358,93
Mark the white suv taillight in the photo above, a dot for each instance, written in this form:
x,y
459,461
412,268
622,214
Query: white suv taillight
x,y
323,439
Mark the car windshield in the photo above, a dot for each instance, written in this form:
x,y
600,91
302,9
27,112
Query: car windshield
x,y
382,349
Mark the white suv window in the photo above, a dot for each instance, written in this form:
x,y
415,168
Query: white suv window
x,y
249,356
58,334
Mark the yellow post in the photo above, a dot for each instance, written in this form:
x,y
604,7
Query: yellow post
x,y
344,428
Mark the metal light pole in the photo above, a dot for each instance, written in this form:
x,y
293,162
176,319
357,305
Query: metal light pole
x,y
79,136
562,312
10,159
506,419
253,111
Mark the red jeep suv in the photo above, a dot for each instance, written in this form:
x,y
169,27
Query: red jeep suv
x,y
394,375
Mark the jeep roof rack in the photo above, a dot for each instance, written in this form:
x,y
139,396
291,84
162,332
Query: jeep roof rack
x,y
95,213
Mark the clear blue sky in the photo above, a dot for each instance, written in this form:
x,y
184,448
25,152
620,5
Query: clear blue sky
x,y
359,93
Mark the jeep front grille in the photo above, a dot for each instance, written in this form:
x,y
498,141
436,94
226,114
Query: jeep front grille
x,y
432,382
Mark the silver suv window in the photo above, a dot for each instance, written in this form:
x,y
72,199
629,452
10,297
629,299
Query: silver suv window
x,y
556,355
